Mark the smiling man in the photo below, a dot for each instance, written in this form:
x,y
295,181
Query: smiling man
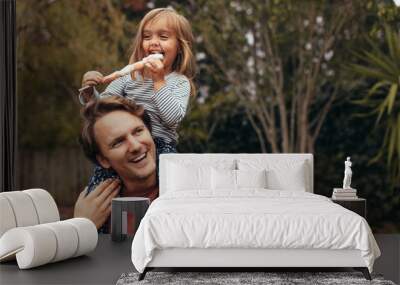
x,y
116,135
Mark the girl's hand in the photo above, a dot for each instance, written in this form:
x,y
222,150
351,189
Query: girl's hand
x,y
155,67
89,79
96,206
92,78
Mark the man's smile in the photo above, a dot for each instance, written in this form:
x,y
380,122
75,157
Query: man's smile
x,y
138,158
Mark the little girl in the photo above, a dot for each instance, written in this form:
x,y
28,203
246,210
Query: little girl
x,y
163,87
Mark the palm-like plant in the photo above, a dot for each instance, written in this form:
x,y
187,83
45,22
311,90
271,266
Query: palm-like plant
x,y
382,65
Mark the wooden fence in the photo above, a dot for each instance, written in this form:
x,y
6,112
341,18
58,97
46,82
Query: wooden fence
x,y
63,172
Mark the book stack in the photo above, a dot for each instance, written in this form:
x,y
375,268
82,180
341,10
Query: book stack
x,y
344,194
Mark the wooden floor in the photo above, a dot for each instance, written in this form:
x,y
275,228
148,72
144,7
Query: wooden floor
x,y
389,262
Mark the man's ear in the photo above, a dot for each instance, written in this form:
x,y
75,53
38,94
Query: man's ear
x,y
103,161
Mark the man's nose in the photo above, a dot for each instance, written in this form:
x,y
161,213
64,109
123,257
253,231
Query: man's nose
x,y
134,144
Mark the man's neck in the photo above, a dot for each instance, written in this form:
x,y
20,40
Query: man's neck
x,y
136,187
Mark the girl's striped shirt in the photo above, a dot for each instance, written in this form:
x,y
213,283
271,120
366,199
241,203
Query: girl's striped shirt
x,y
166,107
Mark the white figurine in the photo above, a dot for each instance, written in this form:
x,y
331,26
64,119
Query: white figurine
x,y
347,174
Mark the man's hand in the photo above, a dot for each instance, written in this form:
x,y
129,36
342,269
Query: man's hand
x,y
96,206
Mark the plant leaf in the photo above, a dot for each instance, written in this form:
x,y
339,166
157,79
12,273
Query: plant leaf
x,y
368,72
381,61
377,86
392,140
392,97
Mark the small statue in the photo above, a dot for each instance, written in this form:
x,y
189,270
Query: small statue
x,y
347,174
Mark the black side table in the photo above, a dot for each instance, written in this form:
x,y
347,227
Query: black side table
x,y
358,206
126,214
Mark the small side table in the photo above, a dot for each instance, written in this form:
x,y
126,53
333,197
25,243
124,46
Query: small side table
x,y
126,214
358,206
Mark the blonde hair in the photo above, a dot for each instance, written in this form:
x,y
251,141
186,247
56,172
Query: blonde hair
x,y
185,62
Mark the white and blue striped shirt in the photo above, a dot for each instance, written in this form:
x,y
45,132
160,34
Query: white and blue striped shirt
x,y
166,107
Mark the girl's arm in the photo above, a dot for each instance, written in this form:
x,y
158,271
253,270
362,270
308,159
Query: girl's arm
x,y
116,87
91,79
171,102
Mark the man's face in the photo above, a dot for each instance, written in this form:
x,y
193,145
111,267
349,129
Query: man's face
x,y
125,145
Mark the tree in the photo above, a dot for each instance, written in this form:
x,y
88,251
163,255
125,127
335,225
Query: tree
x,y
57,42
281,60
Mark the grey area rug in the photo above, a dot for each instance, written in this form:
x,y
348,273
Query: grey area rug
x,y
231,278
